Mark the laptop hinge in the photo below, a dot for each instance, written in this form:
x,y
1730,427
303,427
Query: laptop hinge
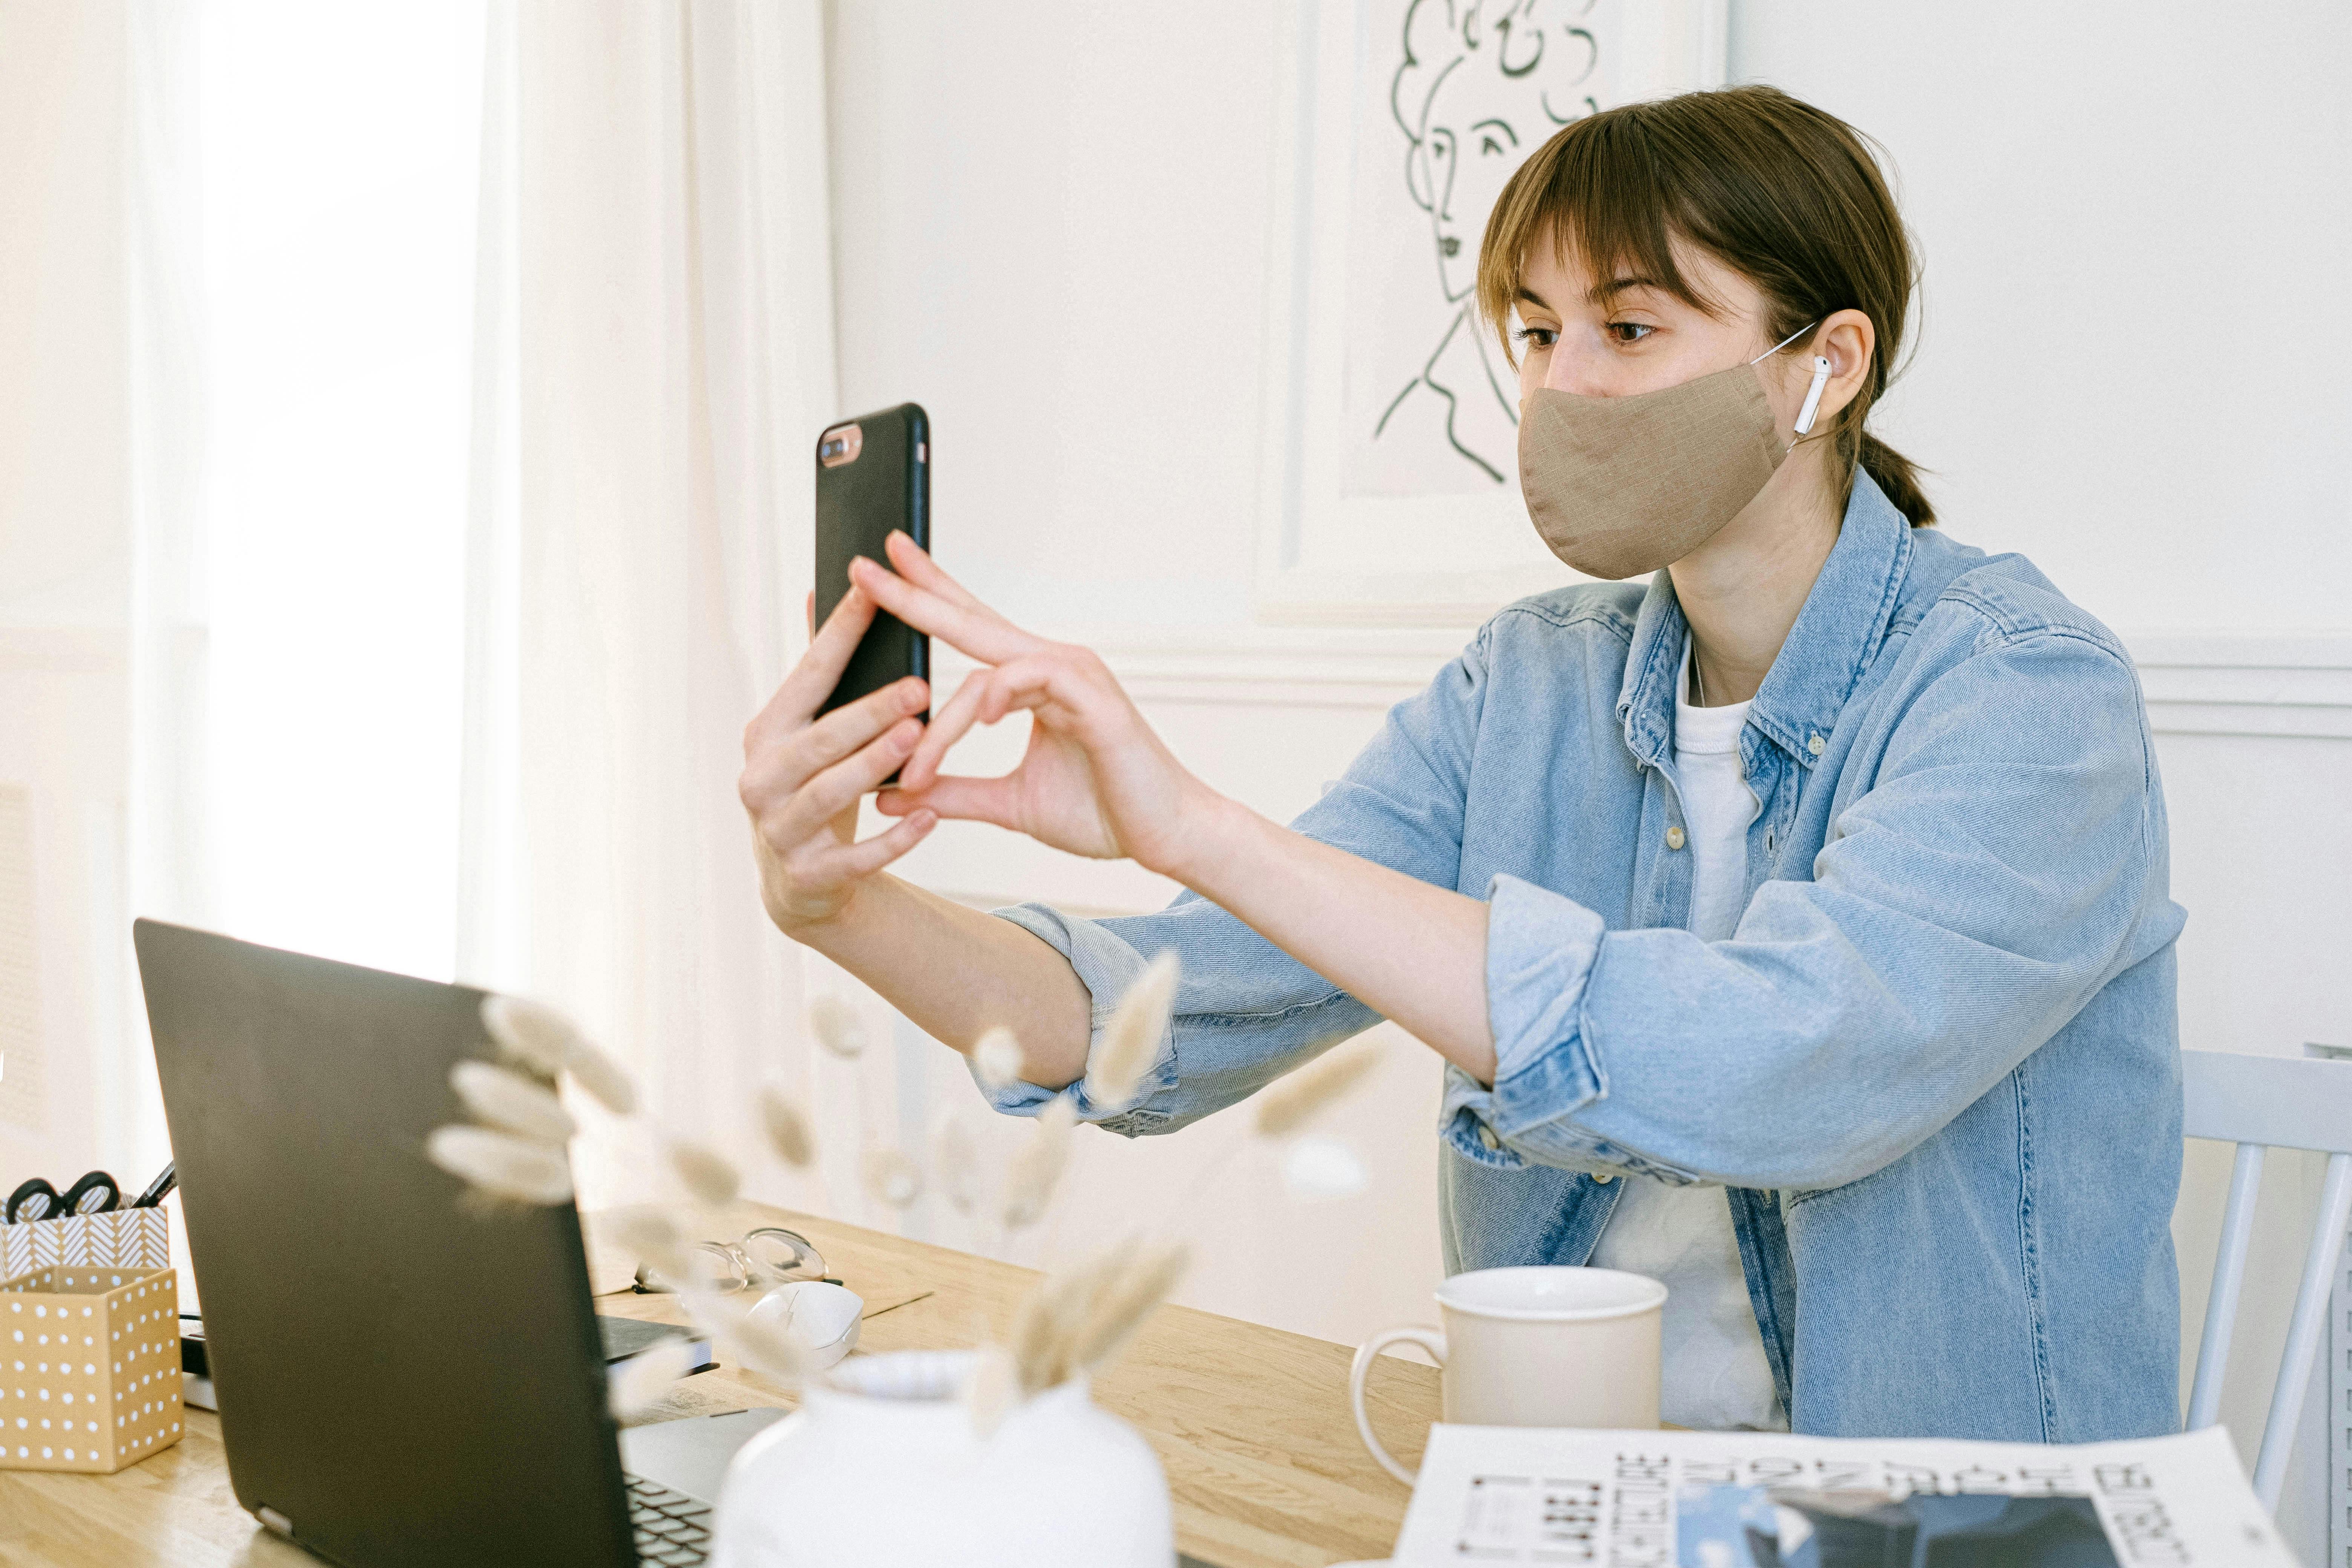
x,y
276,1523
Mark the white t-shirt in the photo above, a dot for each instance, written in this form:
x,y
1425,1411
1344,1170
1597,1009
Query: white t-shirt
x,y
1716,1378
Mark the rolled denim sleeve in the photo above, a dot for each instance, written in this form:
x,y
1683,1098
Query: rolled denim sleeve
x,y
2002,865
1107,966
1246,1012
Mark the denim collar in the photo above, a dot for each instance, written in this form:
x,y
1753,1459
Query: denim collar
x,y
1843,620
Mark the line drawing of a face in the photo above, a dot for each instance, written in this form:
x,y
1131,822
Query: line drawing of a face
x,y
1481,85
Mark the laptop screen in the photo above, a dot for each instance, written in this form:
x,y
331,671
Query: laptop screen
x,y
405,1378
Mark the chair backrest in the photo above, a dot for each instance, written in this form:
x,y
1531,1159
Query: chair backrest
x,y
2261,1103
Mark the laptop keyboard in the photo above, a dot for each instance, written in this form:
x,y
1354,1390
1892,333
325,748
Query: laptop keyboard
x,y
672,1529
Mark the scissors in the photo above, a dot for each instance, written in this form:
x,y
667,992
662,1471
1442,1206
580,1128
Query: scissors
x,y
96,1193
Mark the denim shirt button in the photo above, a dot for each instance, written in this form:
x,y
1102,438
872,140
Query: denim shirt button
x,y
1816,745
1673,838
1486,1136
1604,1177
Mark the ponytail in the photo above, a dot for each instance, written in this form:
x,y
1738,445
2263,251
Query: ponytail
x,y
1898,476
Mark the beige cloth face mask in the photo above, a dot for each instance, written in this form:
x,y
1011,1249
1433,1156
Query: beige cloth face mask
x,y
1621,486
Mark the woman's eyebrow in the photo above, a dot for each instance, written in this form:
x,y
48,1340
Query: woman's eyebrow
x,y
1602,293
1532,298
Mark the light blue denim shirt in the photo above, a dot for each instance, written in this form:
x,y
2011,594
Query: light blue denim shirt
x,y
1937,1065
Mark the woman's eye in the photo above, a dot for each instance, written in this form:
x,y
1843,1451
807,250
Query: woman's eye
x,y
1542,337
1628,331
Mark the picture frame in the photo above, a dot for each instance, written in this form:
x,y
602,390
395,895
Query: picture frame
x,y
1389,491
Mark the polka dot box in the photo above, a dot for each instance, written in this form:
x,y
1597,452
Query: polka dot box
x,y
90,1367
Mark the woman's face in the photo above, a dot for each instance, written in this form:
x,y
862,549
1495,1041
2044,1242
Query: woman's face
x,y
1613,337
1629,335
1621,335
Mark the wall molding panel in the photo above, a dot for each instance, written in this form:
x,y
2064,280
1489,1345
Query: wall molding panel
x,y
2196,683
2226,684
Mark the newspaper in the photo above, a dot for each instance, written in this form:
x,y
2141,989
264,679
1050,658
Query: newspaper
x,y
1743,1499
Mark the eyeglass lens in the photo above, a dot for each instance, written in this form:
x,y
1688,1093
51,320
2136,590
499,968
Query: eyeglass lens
x,y
783,1255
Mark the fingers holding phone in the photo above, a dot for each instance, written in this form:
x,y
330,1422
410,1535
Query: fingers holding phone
x,y
805,773
853,710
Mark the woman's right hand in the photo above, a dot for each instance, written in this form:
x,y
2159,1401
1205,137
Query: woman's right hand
x,y
803,775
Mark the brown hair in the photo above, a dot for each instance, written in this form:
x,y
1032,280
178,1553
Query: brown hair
x,y
1787,195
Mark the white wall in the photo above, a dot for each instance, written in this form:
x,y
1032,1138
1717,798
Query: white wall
x,y
2129,216
1054,236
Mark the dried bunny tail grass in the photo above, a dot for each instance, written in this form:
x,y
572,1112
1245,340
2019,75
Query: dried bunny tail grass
x,y
1079,1318
1031,1344
1125,1300
501,1165
787,1129
769,1348
1314,1168
1292,1100
1048,1320
1030,1175
642,1228
531,1030
763,1348
716,1314
956,1161
640,1382
711,1180
602,1077
891,1177
1071,1302
654,1239
553,1043
993,1389
511,1103
1131,1039
996,1055
836,1026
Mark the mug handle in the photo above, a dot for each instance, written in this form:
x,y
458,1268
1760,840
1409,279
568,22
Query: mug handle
x,y
1430,1340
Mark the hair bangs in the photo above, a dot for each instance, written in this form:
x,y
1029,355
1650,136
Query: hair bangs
x,y
1598,194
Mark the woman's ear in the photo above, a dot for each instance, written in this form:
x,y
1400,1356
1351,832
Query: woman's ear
x,y
1848,341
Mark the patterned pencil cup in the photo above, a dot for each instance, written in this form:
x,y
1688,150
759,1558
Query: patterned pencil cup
x,y
119,1238
90,1367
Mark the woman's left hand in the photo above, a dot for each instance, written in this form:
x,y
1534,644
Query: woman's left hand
x,y
1095,781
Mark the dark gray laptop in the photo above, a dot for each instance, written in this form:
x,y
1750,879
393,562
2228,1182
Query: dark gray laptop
x,y
402,1381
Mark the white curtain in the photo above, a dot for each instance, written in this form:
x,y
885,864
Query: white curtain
x,y
654,354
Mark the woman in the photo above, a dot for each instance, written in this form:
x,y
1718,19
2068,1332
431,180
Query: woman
x,y
1795,926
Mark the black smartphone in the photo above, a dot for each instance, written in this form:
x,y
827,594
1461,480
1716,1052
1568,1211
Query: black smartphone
x,y
873,474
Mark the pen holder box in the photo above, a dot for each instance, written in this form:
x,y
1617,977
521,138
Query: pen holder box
x,y
127,1238
90,1367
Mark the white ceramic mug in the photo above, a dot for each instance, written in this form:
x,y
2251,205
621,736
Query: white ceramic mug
x,y
1547,1346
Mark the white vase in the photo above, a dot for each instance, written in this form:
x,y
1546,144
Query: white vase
x,y
880,1464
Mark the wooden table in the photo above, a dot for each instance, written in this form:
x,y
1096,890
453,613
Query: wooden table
x,y
1251,1423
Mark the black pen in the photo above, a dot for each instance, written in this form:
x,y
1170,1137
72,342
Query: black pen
x,y
161,1187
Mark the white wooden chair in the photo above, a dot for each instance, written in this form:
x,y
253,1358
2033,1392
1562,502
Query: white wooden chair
x,y
2261,1103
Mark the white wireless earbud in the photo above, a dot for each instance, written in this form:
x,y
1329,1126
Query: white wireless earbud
x,y
1814,396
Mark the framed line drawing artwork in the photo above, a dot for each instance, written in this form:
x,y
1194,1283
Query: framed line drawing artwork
x,y
1389,489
